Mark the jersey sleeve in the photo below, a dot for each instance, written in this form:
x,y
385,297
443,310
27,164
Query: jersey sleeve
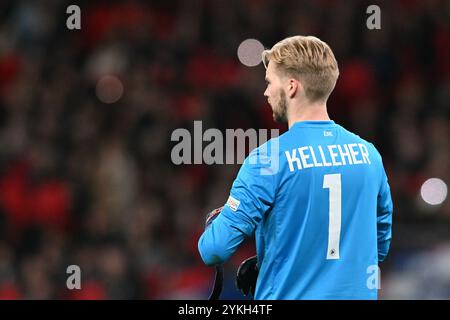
x,y
251,196
384,217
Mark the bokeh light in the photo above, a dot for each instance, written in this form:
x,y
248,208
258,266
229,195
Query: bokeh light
x,y
434,191
249,52
109,89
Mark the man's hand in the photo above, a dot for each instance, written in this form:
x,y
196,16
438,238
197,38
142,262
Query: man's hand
x,y
212,215
246,276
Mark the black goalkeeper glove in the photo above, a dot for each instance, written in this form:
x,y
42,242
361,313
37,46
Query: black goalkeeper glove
x,y
246,276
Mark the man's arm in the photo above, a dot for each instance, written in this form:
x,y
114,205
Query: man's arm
x,y
220,240
384,218
251,196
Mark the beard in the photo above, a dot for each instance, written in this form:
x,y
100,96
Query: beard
x,y
280,109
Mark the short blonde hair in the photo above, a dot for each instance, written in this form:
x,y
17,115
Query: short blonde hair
x,y
307,59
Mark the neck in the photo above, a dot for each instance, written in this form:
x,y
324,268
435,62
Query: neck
x,y
311,112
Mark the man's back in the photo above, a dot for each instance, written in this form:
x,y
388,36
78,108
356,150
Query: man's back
x,y
320,239
318,202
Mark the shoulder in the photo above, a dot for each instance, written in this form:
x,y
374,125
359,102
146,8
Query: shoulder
x,y
275,146
370,146
263,160
267,149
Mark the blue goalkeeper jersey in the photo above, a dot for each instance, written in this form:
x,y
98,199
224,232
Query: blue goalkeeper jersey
x,y
318,202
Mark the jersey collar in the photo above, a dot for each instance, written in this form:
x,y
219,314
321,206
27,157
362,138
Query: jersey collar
x,y
312,123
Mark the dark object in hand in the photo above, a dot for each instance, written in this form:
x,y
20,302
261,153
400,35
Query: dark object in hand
x,y
246,276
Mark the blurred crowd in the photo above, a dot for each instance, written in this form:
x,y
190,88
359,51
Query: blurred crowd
x,y
86,117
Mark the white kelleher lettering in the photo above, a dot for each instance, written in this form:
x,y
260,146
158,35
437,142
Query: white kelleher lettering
x,y
305,157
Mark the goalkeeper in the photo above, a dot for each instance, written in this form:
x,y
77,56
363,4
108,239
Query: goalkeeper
x,y
316,198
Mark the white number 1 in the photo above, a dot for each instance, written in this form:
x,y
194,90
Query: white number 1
x,y
333,182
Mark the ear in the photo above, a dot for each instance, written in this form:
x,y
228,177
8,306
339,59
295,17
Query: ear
x,y
293,86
